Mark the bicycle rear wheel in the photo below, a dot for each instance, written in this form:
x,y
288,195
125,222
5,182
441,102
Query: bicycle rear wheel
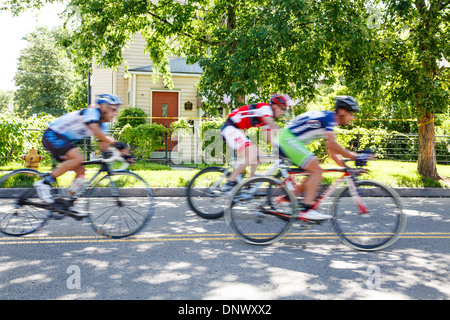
x,y
376,229
259,210
17,216
204,193
120,204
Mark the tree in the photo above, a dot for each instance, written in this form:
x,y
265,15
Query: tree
x,y
396,63
386,52
245,47
6,98
44,77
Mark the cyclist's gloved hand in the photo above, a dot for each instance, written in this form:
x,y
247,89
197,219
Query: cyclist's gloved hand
x,y
120,146
361,159
107,154
129,158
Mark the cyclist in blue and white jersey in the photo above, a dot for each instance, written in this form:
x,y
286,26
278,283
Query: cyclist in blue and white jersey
x,y
311,126
60,136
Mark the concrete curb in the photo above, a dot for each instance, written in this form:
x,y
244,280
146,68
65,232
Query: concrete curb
x,y
423,192
181,192
403,192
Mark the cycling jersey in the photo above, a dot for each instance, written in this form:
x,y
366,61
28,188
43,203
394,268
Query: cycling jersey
x,y
302,130
74,125
244,118
250,115
312,125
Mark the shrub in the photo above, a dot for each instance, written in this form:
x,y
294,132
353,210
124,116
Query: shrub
x,y
132,116
18,136
144,139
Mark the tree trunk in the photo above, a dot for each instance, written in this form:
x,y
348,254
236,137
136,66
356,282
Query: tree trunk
x,y
426,164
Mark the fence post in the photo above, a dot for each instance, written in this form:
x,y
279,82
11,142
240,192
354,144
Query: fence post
x,y
166,144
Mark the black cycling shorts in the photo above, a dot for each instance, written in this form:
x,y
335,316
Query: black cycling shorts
x,y
57,144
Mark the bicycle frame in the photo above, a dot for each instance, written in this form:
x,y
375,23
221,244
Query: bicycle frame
x,y
269,171
116,156
348,177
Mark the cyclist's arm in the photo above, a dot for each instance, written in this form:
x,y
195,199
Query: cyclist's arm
x,y
334,149
271,128
105,140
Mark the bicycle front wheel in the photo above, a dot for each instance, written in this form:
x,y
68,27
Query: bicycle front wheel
x,y
259,210
120,204
18,216
372,221
204,193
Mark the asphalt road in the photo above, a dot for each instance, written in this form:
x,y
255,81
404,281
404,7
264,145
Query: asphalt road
x,y
181,256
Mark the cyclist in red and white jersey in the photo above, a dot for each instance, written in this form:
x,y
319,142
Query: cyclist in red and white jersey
x,y
245,117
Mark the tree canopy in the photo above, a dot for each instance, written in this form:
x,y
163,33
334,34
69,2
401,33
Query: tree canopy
x,y
44,77
385,52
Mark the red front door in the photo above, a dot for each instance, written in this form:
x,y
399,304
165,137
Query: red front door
x,y
165,110
164,107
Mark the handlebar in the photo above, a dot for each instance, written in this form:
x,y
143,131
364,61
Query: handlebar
x,y
116,155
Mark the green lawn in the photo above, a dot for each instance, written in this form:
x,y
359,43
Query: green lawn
x,y
392,173
404,174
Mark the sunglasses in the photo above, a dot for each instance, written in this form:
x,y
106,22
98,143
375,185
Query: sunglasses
x,y
114,108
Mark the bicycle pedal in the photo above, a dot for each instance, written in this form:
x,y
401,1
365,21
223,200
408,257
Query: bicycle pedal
x,y
76,214
301,225
78,218
311,222
57,215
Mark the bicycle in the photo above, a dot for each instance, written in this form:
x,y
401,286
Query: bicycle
x,y
108,198
366,215
204,192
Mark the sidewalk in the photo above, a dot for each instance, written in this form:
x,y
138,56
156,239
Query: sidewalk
x,y
181,192
403,192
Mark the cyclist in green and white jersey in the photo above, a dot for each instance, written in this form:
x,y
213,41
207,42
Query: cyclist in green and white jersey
x,y
312,126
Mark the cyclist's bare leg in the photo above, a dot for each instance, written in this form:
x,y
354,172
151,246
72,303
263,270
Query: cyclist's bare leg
x,y
247,156
312,183
73,163
80,172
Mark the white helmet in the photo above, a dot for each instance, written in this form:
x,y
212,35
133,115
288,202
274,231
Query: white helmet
x,y
110,99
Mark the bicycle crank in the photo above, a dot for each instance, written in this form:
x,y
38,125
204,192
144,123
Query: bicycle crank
x,y
61,208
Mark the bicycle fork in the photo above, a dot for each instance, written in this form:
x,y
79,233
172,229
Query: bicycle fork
x,y
354,192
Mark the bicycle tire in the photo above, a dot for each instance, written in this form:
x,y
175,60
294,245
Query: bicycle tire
x,y
255,216
378,229
16,217
107,201
207,203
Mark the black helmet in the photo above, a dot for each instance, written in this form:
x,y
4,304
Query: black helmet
x,y
346,102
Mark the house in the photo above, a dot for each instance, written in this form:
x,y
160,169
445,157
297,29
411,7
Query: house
x,y
161,104
137,89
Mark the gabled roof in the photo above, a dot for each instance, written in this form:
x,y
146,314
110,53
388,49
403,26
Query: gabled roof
x,y
177,65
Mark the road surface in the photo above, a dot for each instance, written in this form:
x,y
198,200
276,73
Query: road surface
x,y
181,256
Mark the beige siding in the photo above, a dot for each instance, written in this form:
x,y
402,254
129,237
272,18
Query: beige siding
x,y
102,81
185,86
117,82
134,56
120,83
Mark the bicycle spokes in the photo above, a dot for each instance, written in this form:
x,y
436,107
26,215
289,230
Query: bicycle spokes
x,y
372,220
260,217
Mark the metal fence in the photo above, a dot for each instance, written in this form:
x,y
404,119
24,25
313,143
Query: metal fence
x,y
402,147
405,147
399,147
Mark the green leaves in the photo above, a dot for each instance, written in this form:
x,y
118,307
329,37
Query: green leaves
x,y
45,75
132,116
387,49
143,139
17,136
